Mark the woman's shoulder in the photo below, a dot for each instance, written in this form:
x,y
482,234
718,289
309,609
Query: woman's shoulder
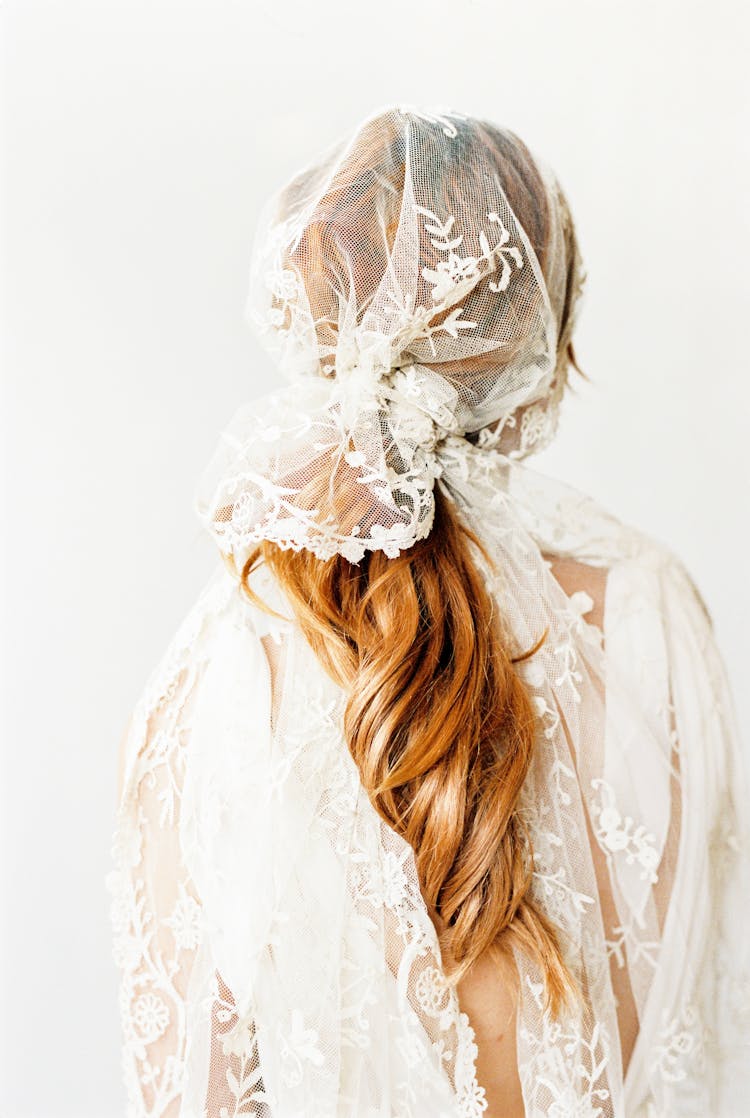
x,y
188,641
646,586
156,724
654,574
566,517
594,550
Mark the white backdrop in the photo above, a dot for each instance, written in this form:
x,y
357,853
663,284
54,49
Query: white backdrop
x,y
140,139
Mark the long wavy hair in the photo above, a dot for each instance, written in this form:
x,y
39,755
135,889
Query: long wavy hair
x,y
437,720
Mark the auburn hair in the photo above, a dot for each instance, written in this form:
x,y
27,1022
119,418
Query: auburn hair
x,y
437,719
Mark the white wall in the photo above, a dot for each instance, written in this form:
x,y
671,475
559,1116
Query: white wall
x,y
141,138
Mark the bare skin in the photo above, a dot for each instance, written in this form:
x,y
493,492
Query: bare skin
x,y
488,992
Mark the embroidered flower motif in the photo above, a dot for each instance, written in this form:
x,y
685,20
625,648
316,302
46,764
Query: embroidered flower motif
x,y
185,921
298,1046
472,1100
243,512
501,249
395,882
550,717
617,833
536,422
448,272
126,951
432,991
611,832
150,1017
391,539
680,1043
455,269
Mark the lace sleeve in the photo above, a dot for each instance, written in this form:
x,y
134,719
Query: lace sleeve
x,y
669,842
705,1004
687,961
156,910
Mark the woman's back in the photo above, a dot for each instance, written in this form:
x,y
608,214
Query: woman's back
x,y
444,753
488,993
198,810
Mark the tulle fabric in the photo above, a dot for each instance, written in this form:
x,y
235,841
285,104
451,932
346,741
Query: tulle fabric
x,y
405,304
276,955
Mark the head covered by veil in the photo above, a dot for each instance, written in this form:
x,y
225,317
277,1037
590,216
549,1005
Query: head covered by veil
x,y
418,288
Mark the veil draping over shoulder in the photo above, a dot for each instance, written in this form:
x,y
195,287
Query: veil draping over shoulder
x,y
277,957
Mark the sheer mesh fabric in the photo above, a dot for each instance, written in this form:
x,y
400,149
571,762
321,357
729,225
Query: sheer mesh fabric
x,y
276,955
347,972
408,306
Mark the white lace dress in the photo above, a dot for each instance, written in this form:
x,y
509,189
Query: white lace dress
x,y
276,957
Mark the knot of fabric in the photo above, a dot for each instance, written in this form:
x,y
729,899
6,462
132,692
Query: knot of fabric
x,y
418,404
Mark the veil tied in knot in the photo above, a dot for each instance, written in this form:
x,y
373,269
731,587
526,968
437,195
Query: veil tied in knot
x,y
405,302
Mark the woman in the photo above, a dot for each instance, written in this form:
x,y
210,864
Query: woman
x,y
434,805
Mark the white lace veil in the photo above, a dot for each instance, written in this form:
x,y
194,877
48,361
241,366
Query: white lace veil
x,y
409,306
418,287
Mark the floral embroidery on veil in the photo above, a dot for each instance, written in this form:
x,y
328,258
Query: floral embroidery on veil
x,y
276,954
